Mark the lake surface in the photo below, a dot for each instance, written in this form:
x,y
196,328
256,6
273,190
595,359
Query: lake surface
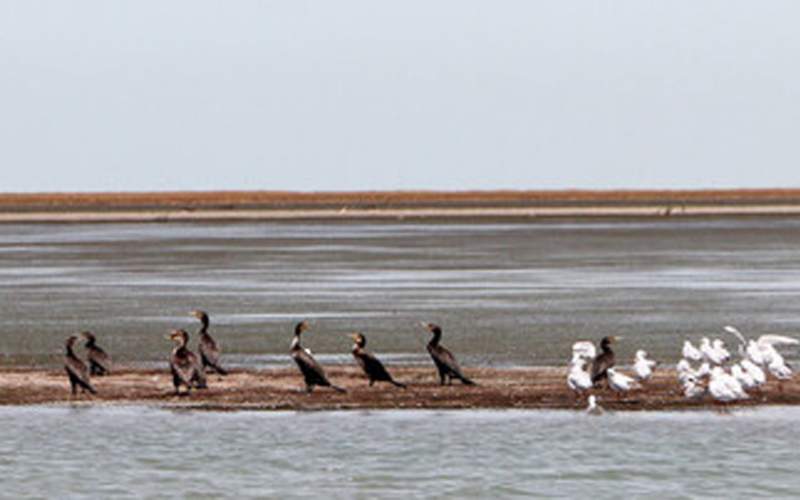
x,y
139,452
506,293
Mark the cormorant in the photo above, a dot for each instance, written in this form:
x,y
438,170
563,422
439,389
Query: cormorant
x,y
76,369
209,350
603,361
99,360
371,365
443,359
312,371
186,370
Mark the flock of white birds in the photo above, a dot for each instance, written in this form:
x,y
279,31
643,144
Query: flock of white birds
x,y
715,371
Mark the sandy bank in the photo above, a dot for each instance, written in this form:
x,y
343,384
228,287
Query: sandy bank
x,y
279,389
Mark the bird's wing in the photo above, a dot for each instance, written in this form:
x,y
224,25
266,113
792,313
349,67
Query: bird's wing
x,y
183,368
209,349
100,357
736,333
77,369
373,366
773,340
447,359
312,370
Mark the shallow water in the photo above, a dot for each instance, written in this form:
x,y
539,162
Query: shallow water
x,y
507,293
138,452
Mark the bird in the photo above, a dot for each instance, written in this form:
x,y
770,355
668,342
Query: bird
x,y
619,382
685,370
690,352
76,369
643,366
755,371
745,379
715,353
604,360
693,388
583,349
724,387
444,360
313,374
593,408
99,360
578,378
209,349
184,365
761,351
371,365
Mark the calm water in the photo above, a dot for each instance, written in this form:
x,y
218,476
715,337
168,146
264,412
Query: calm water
x,y
506,293
139,452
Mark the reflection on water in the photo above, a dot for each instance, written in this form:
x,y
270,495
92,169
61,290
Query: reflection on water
x,y
141,452
506,293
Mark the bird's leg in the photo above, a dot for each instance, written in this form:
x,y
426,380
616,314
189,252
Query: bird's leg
x,y
371,381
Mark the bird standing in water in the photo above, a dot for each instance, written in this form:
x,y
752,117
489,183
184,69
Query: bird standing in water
x,y
186,369
209,349
444,360
76,369
313,374
99,360
371,365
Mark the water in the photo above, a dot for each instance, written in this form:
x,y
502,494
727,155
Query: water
x,y
138,452
507,293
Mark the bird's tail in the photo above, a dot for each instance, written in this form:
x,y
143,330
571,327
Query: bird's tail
x,y
398,384
338,389
219,369
466,380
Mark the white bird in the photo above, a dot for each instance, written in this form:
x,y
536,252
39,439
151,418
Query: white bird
x,y
685,370
762,351
584,349
713,354
593,408
643,366
724,387
620,382
779,369
692,388
690,352
754,371
745,379
719,347
579,379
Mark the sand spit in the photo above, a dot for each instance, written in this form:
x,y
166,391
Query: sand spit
x,y
280,389
263,205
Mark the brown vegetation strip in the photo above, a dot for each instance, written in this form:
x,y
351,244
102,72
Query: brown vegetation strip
x,y
280,389
276,200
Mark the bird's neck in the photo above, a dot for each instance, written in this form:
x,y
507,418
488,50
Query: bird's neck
x,y
437,336
295,343
204,326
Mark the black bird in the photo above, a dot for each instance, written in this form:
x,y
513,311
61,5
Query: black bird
x,y
99,360
443,359
76,369
312,371
185,367
371,365
209,350
603,361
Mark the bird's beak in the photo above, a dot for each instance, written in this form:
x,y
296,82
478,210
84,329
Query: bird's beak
x,y
425,325
616,339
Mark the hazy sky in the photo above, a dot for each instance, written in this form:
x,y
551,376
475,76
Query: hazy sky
x,y
350,95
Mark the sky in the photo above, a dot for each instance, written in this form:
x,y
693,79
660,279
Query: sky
x,y
415,94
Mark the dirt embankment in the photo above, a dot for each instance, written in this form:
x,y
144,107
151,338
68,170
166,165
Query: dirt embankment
x,y
281,389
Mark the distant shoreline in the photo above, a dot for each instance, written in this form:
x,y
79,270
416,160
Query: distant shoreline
x,y
261,205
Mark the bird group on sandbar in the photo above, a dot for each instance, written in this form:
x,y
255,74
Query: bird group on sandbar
x,y
717,374
189,370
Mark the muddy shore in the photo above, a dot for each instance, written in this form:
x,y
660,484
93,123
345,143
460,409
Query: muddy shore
x,y
264,205
281,389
